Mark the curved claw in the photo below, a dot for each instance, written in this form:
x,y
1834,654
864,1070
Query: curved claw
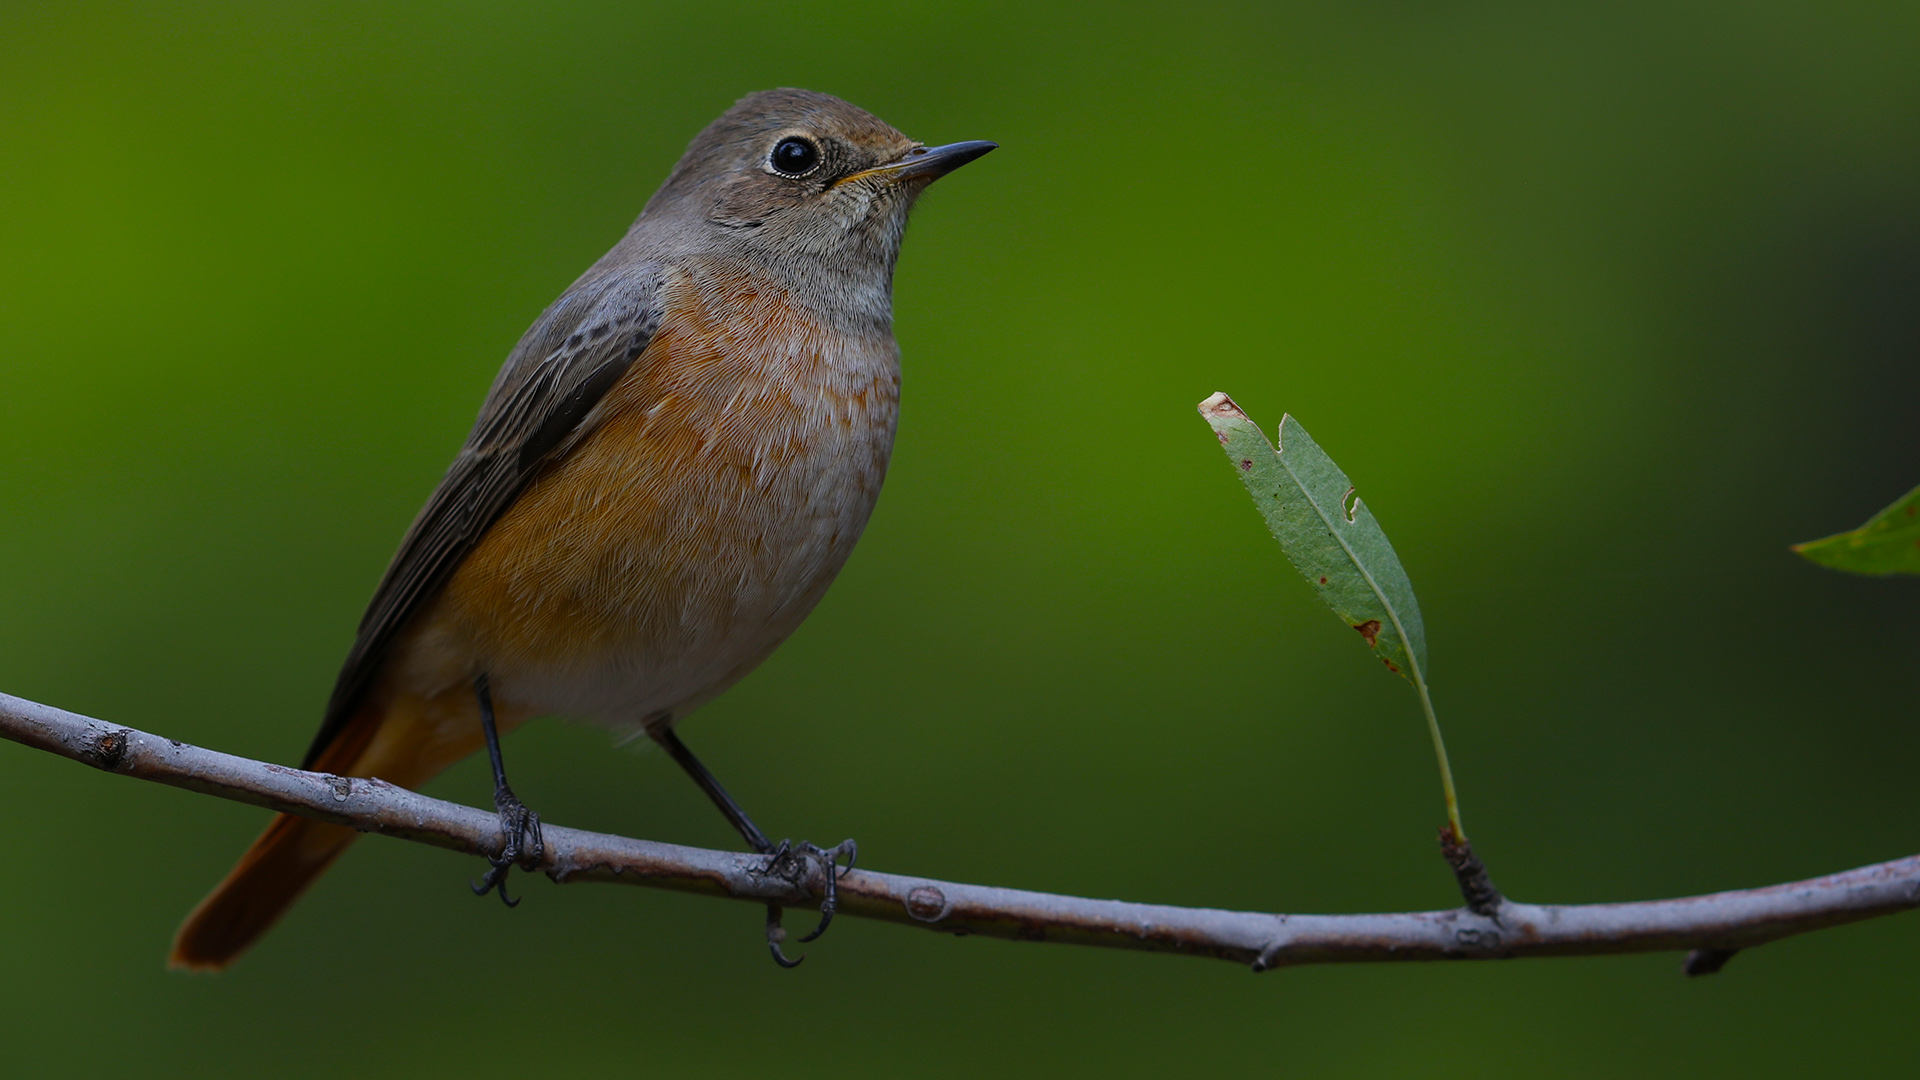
x,y
830,903
788,861
495,878
516,821
537,850
775,935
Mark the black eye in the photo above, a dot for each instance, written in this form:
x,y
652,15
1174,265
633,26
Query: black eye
x,y
795,157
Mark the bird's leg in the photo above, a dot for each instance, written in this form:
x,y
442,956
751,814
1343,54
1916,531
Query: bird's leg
x,y
677,750
515,819
782,859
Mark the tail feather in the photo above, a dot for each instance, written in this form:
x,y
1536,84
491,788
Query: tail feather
x,y
396,736
403,739
269,878
287,857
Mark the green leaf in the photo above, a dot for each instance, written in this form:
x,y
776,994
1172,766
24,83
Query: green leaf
x,y
1330,536
1889,543
1327,532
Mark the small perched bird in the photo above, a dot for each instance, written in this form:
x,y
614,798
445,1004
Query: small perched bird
x,y
668,472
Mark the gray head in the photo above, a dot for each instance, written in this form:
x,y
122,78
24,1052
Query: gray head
x,y
791,178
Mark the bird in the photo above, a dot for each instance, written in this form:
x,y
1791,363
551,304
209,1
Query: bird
x,y
665,476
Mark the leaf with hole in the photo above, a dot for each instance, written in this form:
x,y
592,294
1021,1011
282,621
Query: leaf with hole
x,y
1331,537
1327,532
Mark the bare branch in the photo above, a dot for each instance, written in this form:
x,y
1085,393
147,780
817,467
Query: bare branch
x,y
1713,926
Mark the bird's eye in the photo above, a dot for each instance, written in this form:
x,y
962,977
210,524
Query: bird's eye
x,y
794,157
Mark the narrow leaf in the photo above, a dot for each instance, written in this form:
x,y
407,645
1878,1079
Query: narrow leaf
x,y
1327,532
1330,536
1889,543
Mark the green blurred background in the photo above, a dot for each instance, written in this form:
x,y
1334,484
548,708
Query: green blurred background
x,y
1602,305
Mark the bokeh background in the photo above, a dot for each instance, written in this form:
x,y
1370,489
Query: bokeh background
x,y
1602,305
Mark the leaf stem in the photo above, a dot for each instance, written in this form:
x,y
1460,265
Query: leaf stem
x,y
1440,753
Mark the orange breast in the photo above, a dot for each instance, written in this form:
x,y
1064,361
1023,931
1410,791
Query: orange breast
x,y
670,549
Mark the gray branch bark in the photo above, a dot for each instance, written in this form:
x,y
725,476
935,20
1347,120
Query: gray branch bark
x,y
1712,926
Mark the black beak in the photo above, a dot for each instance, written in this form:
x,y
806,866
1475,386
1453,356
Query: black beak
x,y
932,162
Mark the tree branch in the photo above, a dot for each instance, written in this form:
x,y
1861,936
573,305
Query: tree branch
x,y
1713,926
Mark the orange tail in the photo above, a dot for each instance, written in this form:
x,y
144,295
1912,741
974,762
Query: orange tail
x,y
406,741
270,877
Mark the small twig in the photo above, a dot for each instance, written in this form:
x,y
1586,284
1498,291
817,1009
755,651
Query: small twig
x,y
1715,925
1706,961
1475,886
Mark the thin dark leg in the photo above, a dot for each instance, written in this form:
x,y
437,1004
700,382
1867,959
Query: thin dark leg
x,y
676,749
515,819
782,859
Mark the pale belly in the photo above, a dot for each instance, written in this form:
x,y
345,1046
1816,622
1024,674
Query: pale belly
x,y
671,550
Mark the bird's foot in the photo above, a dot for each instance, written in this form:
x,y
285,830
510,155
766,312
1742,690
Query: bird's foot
x,y
794,864
517,824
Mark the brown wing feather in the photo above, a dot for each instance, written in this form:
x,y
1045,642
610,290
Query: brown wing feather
x,y
565,363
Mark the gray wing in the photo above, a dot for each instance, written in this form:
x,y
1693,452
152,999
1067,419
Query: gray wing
x,y
567,361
